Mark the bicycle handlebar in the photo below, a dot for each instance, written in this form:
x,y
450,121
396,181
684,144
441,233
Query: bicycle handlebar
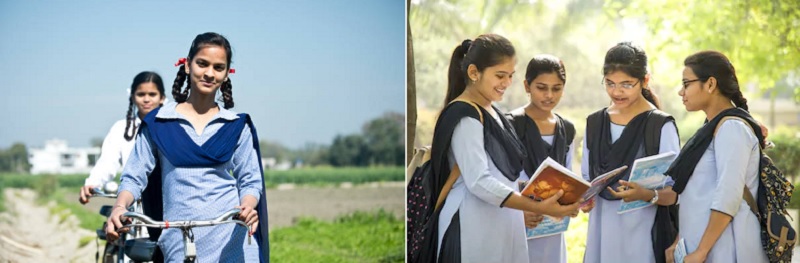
x,y
146,221
98,192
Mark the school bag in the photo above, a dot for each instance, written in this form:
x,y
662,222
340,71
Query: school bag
x,y
421,208
769,205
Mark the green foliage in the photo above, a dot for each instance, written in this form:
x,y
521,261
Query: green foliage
x,y
760,37
348,150
786,155
318,176
384,139
358,237
14,159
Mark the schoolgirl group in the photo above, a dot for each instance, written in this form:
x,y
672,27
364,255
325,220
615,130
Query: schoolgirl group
x,y
483,217
202,155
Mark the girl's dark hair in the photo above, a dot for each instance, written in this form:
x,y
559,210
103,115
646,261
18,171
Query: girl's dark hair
x,y
706,64
632,60
201,41
485,51
542,64
141,78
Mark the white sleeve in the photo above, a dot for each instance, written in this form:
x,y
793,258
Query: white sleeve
x,y
734,145
105,169
670,142
585,159
470,155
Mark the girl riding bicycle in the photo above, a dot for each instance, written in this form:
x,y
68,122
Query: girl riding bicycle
x,y
206,158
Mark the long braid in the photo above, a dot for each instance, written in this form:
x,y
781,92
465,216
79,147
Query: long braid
x,y
740,101
651,97
227,94
176,87
130,121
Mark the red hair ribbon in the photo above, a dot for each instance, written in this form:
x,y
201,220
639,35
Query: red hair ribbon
x,y
232,71
181,61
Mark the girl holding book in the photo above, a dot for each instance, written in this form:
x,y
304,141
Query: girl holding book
x,y
717,164
616,136
481,219
544,134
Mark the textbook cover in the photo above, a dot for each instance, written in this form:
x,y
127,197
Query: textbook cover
x,y
552,176
649,173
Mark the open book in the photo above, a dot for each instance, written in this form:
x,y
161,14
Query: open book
x,y
552,176
649,173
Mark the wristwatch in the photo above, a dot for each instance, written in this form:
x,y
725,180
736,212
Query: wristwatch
x,y
655,198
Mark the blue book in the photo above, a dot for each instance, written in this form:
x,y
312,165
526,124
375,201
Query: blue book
x,y
649,173
680,251
548,227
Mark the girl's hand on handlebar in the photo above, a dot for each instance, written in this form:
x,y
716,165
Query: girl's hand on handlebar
x,y
86,192
249,216
114,223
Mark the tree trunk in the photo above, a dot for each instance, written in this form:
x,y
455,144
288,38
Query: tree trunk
x,y
411,90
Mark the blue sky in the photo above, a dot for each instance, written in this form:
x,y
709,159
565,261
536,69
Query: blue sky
x,y
305,70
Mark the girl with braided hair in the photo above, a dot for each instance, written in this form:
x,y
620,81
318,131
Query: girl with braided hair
x,y
206,160
717,165
616,136
146,94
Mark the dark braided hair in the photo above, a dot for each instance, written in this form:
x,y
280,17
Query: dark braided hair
x,y
199,42
130,119
707,64
632,60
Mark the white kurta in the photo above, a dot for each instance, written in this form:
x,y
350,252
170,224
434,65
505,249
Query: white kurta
x,y
623,238
489,233
549,249
113,155
728,165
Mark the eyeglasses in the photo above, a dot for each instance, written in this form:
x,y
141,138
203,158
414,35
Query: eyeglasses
x,y
612,85
686,82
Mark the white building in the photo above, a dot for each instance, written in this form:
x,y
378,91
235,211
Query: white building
x,y
57,158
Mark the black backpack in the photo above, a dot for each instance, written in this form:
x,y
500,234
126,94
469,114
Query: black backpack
x,y
422,211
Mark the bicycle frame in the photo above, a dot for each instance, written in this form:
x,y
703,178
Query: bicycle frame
x,y
137,231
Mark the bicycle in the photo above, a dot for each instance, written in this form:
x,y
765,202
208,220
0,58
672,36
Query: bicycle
x,y
113,251
140,248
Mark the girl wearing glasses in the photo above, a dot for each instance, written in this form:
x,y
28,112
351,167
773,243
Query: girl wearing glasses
x,y
616,136
714,167
544,134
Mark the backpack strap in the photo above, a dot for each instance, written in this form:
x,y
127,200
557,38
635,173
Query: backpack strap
x,y
652,131
455,172
748,197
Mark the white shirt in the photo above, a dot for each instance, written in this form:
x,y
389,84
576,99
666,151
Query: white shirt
x,y
113,155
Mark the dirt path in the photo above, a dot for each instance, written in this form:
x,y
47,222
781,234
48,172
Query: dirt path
x,y
29,233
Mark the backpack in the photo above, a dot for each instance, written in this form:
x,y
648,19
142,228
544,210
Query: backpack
x,y
421,208
769,205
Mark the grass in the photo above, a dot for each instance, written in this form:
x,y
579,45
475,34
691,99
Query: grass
x,y
358,237
334,176
575,237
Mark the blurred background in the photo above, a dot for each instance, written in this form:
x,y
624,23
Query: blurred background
x,y
322,80
760,37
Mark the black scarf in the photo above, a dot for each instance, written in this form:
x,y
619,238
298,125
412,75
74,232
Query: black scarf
x,y
501,143
605,156
683,166
536,148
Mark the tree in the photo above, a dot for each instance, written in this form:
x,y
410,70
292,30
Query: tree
x,y
350,150
15,159
96,142
411,91
760,37
270,149
384,139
